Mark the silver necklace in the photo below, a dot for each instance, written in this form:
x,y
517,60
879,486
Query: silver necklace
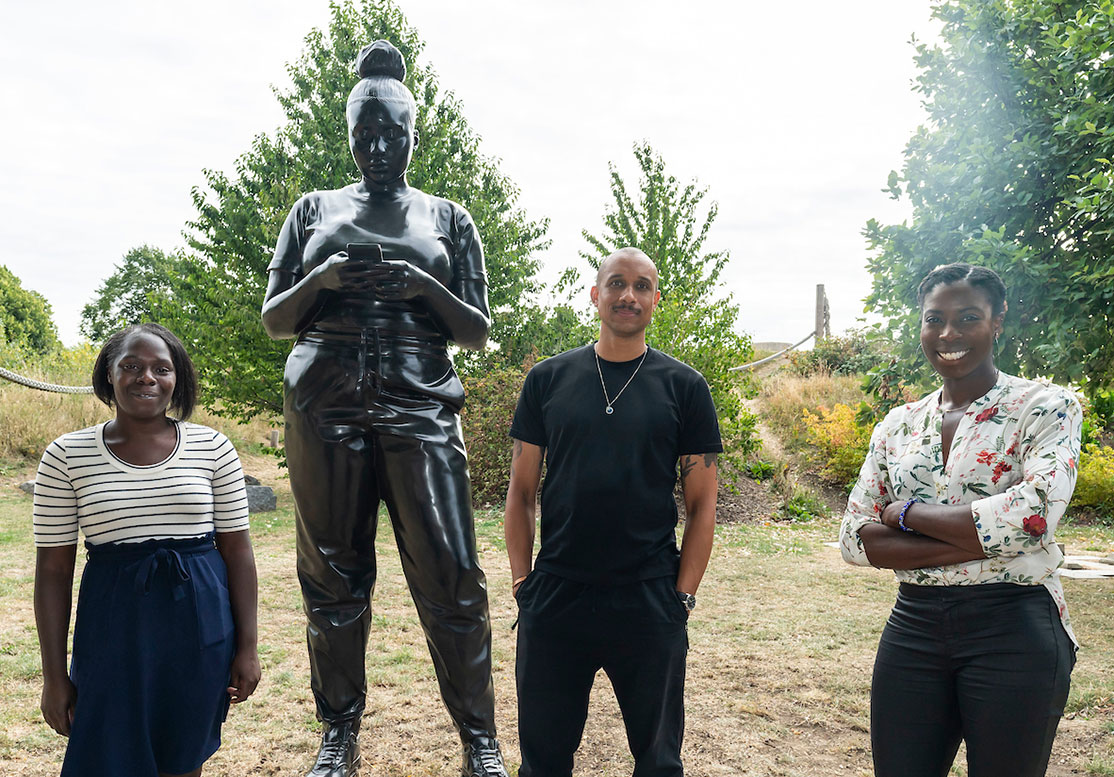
x,y
610,402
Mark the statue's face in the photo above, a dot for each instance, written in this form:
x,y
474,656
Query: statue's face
x,y
381,136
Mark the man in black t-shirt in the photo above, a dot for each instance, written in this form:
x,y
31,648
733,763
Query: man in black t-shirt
x,y
609,589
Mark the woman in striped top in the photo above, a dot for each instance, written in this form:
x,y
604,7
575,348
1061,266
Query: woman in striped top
x,y
166,630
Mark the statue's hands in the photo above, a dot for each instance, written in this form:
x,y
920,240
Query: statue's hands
x,y
397,279
341,273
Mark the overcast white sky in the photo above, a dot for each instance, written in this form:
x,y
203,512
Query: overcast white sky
x,y
791,114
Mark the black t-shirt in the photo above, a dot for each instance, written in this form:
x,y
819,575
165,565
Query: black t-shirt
x,y
607,512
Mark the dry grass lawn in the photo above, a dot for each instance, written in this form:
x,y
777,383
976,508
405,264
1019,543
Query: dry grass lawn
x,y
782,645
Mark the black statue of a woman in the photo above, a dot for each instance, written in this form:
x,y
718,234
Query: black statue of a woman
x,y
374,280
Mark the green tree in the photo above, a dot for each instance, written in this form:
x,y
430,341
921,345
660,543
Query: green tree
x,y
1012,170
695,320
25,316
214,301
145,274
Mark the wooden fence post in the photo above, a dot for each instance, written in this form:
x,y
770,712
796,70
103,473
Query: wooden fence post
x,y
822,326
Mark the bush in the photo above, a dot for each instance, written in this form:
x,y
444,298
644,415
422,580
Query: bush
x,y
887,386
784,397
852,353
760,469
803,505
1098,417
1095,487
839,443
25,318
492,395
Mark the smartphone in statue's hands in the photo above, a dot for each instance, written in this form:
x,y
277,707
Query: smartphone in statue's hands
x,y
365,252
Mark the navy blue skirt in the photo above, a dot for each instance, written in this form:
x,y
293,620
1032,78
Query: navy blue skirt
x,y
153,644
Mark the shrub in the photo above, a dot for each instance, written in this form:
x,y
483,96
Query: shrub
x,y
852,353
1098,417
886,387
839,443
1095,487
784,397
803,505
486,420
760,469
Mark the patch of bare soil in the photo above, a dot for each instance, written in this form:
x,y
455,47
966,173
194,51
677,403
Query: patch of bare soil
x,y
834,497
749,502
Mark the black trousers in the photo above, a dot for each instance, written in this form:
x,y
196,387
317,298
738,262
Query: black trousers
x,y
567,631
986,664
352,442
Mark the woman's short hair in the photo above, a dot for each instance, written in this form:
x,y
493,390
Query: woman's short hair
x,y
381,70
184,398
982,278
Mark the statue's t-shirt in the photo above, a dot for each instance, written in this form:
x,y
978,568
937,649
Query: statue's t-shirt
x,y
432,233
404,343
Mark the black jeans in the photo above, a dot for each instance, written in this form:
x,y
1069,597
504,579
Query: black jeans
x,y
352,442
988,664
568,631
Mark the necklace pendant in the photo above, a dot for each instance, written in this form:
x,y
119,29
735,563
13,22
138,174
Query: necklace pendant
x,y
609,410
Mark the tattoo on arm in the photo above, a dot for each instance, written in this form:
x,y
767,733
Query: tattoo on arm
x,y
517,450
688,464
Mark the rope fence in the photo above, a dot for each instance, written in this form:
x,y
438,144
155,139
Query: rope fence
x,y
43,386
772,356
823,329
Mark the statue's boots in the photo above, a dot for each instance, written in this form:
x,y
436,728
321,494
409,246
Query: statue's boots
x,y
483,759
339,755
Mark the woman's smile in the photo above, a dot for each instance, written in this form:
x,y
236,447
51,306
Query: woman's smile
x,y
951,356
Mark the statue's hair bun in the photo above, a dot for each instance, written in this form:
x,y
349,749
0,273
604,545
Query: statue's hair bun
x,y
380,59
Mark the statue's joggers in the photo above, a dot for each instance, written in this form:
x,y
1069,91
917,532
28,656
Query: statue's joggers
x,y
370,416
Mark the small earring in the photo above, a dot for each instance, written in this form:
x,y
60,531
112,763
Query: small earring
x,y
996,336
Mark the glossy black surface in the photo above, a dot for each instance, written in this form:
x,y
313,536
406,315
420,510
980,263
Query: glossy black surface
x,y
371,403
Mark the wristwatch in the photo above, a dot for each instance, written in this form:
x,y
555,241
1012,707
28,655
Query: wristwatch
x,y
688,601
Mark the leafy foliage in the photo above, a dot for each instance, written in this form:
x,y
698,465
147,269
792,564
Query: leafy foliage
x,y
886,387
1095,487
1013,171
1098,417
544,331
837,443
485,420
855,352
215,296
125,297
695,320
25,316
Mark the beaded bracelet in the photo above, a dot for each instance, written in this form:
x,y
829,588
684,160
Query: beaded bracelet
x,y
901,517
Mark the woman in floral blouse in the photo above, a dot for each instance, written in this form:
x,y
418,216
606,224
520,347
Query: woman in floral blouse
x,y
960,494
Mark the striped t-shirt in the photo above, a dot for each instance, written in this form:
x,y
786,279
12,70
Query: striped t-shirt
x,y
81,483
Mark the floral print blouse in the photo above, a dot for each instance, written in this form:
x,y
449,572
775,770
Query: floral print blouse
x,y
1013,459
